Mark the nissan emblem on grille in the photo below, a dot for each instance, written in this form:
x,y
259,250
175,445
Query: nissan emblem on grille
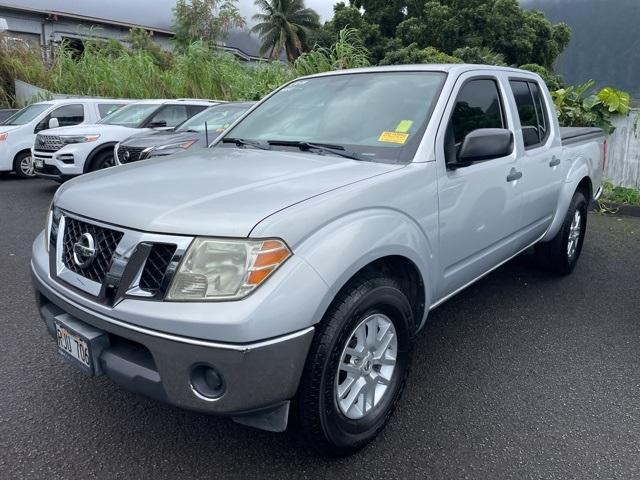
x,y
84,251
126,155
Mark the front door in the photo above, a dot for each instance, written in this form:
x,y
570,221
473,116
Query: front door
x,y
479,205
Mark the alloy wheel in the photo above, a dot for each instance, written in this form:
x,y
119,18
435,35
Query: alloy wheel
x,y
366,366
575,230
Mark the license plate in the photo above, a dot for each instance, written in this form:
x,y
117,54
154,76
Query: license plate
x,y
38,163
73,345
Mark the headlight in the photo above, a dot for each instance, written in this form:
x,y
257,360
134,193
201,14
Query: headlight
x,y
219,269
67,139
47,228
184,145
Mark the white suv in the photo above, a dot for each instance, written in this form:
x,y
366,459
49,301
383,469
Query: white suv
x,y
18,132
62,153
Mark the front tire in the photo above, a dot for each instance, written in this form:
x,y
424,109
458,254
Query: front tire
x,y
23,165
103,160
560,255
357,366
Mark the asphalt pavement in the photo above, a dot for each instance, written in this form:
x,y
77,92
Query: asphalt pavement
x,y
523,375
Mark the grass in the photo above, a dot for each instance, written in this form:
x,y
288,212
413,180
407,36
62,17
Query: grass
x,y
620,195
108,69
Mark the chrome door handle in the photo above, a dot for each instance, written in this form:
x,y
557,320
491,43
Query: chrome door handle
x,y
514,175
555,161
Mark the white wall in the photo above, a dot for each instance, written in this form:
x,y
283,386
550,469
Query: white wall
x,y
623,166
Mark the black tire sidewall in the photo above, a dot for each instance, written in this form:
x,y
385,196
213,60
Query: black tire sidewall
x,y
376,295
98,162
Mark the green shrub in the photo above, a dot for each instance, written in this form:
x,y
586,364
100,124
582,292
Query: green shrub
x,y
579,107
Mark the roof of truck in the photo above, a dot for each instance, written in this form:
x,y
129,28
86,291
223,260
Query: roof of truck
x,y
426,67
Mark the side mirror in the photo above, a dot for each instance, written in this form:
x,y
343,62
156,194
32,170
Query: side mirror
x,y
158,124
54,123
484,144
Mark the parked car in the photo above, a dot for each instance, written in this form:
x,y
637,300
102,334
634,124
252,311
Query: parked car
x,y
18,132
300,255
63,153
197,132
5,113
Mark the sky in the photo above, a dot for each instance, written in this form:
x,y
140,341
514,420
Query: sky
x,y
153,13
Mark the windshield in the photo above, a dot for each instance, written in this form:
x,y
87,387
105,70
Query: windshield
x,y
27,114
377,116
217,118
130,116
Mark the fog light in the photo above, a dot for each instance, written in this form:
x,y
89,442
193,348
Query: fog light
x,y
207,382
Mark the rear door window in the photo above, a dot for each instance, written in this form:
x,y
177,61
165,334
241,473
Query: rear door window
x,y
533,116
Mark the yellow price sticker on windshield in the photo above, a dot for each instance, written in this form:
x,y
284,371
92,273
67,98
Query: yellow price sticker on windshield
x,y
404,126
393,137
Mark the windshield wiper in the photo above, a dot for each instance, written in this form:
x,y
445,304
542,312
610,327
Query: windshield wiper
x,y
241,142
325,147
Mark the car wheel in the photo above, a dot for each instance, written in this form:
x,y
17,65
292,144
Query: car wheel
x,y
357,366
23,165
103,160
560,255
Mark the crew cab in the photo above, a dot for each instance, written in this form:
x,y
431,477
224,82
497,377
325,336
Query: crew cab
x,y
63,153
197,132
299,256
18,132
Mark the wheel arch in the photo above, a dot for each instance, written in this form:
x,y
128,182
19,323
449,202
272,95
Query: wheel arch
x,y
581,183
372,240
95,152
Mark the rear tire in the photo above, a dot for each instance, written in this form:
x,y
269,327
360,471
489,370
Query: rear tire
x,y
23,165
560,255
352,381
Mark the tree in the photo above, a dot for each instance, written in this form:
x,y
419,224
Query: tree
x,y
503,27
140,40
348,16
284,24
414,54
205,20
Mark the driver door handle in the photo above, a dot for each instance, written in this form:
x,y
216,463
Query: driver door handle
x,y
555,161
514,175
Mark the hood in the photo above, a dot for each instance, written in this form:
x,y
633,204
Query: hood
x,y
157,138
96,128
8,128
218,192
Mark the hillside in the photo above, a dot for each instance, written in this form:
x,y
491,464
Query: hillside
x,y
605,44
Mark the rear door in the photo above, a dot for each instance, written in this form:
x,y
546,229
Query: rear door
x,y
479,207
540,156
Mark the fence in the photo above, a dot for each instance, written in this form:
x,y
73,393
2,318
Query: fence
x,y
623,166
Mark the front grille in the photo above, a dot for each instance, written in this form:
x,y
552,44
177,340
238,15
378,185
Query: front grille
x,y
129,154
105,243
48,143
155,268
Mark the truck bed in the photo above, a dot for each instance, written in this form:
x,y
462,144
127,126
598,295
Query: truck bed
x,y
571,135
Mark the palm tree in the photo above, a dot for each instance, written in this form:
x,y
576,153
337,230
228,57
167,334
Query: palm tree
x,y
284,24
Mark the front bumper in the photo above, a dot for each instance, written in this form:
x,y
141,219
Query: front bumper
x,y
257,375
63,164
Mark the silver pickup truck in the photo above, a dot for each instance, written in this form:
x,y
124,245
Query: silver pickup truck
x,y
286,270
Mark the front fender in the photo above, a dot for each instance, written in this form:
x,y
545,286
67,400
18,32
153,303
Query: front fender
x,y
338,250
